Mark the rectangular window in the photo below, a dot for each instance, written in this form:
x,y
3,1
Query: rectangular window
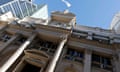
x,y
43,45
101,62
101,39
5,36
79,34
20,40
74,55
30,68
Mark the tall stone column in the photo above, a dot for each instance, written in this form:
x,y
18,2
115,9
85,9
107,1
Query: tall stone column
x,y
115,64
87,61
9,42
61,57
53,63
14,57
118,53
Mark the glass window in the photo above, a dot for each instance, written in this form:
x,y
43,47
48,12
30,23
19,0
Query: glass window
x,y
74,55
101,62
96,58
30,68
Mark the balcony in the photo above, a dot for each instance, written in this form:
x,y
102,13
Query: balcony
x,y
33,61
45,46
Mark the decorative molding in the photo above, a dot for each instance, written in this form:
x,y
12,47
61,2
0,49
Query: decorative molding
x,y
92,47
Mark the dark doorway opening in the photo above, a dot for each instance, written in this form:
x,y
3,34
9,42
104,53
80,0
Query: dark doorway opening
x,y
30,68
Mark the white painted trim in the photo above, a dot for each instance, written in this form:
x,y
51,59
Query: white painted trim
x,y
13,9
20,9
27,9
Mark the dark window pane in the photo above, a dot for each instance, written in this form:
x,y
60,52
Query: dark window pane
x,y
30,68
96,58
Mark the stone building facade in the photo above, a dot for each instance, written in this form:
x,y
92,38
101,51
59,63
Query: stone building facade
x,y
58,46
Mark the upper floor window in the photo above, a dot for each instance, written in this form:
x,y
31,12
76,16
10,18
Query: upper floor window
x,y
43,45
5,37
74,55
101,39
21,40
101,62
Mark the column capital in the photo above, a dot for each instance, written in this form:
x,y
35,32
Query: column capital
x,y
114,56
63,37
88,50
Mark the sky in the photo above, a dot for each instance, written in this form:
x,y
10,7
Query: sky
x,y
94,13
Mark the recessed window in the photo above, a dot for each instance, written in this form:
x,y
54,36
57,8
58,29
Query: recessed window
x,y
5,37
101,39
74,55
20,40
43,45
30,68
101,62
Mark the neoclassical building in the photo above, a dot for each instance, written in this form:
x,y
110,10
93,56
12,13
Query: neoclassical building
x,y
57,45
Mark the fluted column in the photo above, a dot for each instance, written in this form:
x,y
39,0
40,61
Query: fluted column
x,y
87,61
116,62
20,50
119,55
57,54
9,42
119,60
61,57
